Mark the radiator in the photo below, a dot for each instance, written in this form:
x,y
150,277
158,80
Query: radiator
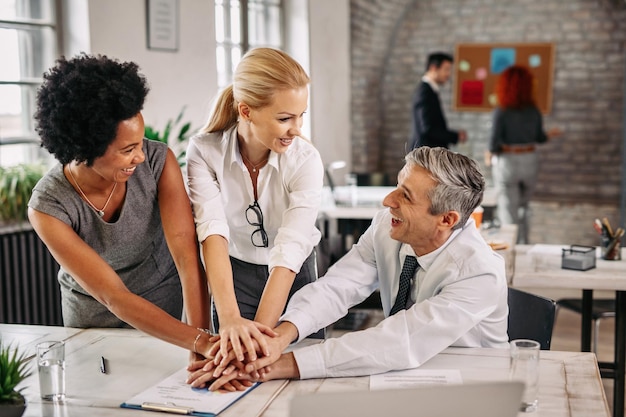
x,y
29,291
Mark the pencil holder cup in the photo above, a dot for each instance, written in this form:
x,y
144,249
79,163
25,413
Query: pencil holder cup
x,y
611,249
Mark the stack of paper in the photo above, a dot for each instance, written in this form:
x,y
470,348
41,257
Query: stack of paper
x,y
175,396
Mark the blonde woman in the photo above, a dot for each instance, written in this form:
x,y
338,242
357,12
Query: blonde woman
x,y
255,185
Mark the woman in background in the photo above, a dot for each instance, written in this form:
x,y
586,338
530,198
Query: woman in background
x,y
255,185
114,213
517,129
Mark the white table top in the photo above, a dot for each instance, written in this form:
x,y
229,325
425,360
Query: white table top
x,y
570,383
540,267
27,337
368,202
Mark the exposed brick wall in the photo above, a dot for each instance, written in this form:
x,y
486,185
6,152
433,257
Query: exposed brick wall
x,y
570,223
372,27
581,172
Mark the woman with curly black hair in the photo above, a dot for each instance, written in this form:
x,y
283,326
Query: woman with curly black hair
x,y
114,213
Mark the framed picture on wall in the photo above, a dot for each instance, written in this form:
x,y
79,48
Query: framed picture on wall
x,y
162,24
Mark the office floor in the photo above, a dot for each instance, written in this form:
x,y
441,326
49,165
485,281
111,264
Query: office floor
x,y
565,336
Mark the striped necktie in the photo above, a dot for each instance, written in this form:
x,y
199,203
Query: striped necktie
x,y
408,271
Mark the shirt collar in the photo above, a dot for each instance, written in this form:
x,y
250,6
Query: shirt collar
x,y
233,147
235,155
426,261
431,83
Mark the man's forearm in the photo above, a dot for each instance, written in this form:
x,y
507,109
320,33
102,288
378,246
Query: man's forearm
x,y
287,333
285,367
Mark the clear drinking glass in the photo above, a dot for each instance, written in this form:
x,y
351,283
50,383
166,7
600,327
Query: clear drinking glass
x,y
51,365
524,366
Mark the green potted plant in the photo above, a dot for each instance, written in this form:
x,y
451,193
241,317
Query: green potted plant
x,y
16,186
13,370
178,142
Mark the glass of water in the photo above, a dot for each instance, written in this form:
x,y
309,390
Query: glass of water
x,y
525,367
51,364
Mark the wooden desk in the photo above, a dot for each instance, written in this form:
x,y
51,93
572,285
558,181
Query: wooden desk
x,y
542,269
570,383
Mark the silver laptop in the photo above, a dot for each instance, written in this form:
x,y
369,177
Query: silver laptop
x,y
485,399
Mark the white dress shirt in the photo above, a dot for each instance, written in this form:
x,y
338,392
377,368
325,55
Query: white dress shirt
x,y
289,190
460,300
432,83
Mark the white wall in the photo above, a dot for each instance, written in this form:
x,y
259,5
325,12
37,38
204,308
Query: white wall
x,y
329,25
117,28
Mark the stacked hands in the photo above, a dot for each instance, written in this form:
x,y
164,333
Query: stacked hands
x,y
240,356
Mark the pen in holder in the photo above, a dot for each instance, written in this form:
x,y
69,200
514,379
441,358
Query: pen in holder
x,y
610,242
611,247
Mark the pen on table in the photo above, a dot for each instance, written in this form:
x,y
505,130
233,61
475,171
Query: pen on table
x,y
103,366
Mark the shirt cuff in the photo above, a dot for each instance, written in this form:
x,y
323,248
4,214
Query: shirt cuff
x,y
303,322
210,228
310,362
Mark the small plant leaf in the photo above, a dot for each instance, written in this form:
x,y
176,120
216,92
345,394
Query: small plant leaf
x,y
16,186
13,370
181,138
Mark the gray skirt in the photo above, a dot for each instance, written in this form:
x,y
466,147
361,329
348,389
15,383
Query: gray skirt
x,y
250,279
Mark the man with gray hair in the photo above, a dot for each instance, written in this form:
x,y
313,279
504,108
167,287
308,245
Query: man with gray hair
x,y
440,283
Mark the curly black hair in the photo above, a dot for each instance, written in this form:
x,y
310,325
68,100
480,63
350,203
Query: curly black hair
x,y
81,103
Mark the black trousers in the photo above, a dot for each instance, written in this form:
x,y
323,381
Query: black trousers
x,y
249,281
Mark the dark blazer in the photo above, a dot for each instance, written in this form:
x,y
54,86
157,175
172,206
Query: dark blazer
x,y
429,127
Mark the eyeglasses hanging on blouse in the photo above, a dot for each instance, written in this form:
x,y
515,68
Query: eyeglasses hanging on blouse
x,y
254,216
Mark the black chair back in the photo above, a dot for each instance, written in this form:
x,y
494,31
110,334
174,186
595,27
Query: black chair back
x,y
531,317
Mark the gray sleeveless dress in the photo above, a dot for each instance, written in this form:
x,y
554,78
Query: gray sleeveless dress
x,y
134,245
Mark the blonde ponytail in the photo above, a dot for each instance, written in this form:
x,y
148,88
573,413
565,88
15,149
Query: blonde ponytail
x,y
225,114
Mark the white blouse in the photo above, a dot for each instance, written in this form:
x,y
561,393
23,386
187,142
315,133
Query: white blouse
x,y
289,189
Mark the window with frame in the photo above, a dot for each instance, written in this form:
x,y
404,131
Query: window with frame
x,y
28,47
241,25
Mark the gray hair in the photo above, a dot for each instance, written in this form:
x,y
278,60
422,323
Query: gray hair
x,y
460,184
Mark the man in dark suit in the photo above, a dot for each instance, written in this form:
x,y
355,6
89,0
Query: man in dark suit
x,y
429,127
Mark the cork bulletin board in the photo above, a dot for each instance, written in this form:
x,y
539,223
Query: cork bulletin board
x,y
478,66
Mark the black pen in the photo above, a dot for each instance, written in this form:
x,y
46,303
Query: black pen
x,y
103,366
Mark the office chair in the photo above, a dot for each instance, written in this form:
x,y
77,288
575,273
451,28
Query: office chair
x,y
531,317
601,309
